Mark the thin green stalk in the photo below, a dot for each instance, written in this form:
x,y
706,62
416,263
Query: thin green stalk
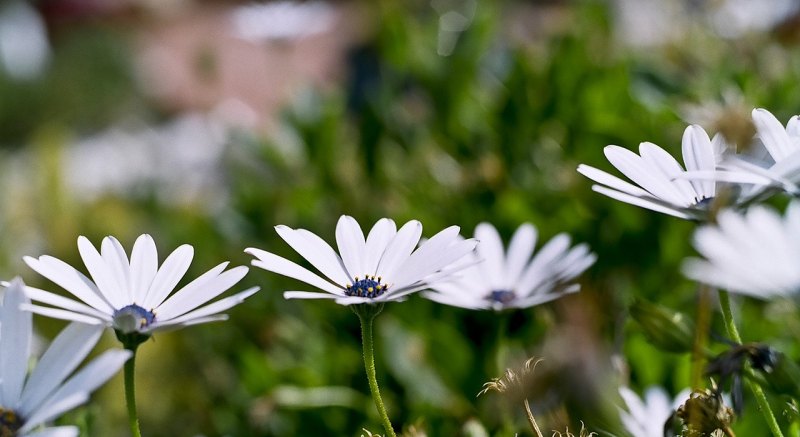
x,y
130,393
366,314
733,332
531,419
701,336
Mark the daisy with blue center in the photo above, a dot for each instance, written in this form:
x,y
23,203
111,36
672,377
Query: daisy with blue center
x,y
518,277
28,400
385,266
134,295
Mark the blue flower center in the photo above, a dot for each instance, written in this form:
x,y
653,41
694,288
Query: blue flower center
x,y
705,202
370,287
132,318
501,296
10,423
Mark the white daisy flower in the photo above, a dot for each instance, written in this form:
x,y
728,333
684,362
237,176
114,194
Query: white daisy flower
x,y
782,145
646,417
663,185
756,254
133,296
384,267
28,401
516,278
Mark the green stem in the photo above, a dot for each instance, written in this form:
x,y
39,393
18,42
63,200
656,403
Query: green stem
x,y
733,332
531,419
130,393
366,314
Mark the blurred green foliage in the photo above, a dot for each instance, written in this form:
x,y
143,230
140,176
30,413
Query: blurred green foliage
x,y
491,132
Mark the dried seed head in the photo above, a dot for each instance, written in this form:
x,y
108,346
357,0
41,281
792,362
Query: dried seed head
x,y
705,414
514,381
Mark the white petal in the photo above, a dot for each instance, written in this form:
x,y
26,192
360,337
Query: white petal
x,y
316,251
536,271
63,356
117,261
648,177
698,154
772,134
214,308
55,431
642,202
168,276
71,280
283,266
101,274
519,252
144,266
441,250
399,249
490,249
188,298
308,295
15,335
49,298
171,325
75,390
379,237
352,246
55,313
611,181
661,161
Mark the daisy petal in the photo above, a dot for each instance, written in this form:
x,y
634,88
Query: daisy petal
x,y
71,280
117,261
15,335
648,203
185,301
520,250
144,266
379,237
490,249
316,251
399,249
352,246
63,356
101,274
283,266
168,276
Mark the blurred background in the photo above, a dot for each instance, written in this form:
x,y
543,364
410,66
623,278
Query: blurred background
x,y
209,122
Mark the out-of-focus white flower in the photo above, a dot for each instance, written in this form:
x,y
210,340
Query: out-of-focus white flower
x,y
384,267
28,401
646,417
282,20
24,48
133,296
663,182
756,253
732,18
515,278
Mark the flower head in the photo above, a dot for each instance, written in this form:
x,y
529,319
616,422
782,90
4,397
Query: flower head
x,y
756,254
29,400
514,278
663,182
647,416
382,267
135,296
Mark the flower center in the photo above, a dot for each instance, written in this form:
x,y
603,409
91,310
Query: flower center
x,y
10,423
705,202
370,287
501,296
132,318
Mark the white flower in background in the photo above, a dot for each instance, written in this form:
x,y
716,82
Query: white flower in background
x,y
516,278
384,267
646,417
282,20
781,162
134,295
662,182
28,401
756,254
